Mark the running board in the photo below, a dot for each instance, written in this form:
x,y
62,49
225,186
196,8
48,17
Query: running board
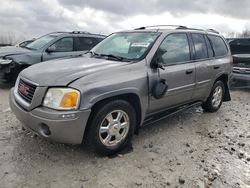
x,y
163,115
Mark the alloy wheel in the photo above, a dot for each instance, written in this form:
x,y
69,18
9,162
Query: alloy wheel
x,y
114,128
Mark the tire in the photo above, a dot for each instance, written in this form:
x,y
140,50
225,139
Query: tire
x,y
109,134
214,100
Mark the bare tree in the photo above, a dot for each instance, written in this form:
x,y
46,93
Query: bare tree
x,y
231,34
243,34
7,38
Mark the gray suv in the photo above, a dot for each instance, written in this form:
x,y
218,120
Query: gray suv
x,y
131,78
52,46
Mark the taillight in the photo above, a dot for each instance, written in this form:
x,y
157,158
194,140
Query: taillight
x,y
231,60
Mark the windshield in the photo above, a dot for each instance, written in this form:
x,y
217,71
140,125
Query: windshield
x,y
130,46
39,43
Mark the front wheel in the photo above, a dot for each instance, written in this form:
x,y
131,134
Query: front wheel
x,y
215,99
112,127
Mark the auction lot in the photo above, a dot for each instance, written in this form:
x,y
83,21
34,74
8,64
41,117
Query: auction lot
x,y
191,149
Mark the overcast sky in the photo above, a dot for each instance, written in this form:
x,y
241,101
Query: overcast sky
x,y
31,18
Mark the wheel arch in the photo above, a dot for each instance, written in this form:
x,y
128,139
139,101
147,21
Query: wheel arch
x,y
225,79
132,98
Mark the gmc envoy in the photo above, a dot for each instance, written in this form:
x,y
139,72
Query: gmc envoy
x,y
131,78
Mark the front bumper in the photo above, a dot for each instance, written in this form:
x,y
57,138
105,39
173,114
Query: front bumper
x,y
9,72
64,126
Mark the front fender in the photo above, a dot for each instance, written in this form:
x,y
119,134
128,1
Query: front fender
x,y
27,59
93,95
101,96
114,94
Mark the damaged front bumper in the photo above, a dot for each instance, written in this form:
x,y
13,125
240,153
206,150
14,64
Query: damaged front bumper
x,y
8,70
5,61
59,126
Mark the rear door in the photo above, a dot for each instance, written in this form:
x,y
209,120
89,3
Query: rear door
x,y
203,57
221,61
179,73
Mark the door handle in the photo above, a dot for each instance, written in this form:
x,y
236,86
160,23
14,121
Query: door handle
x,y
216,67
189,71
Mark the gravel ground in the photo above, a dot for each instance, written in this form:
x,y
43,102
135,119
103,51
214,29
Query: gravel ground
x,y
191,149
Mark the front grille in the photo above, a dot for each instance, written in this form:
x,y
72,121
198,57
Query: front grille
x,y
26,90
241,70
242,64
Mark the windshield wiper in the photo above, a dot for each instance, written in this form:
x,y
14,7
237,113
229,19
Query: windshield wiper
x,y
28,48
109,56
119,58
113,56
93,53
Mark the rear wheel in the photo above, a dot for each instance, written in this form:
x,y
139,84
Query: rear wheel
x,y
215,99
112,127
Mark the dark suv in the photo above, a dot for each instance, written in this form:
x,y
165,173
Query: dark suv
x,y
130,79
240,48
51,46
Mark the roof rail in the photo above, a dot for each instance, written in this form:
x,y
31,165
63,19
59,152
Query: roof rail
x,y
160,26
58,32
213,31
176,27
80,32
206,30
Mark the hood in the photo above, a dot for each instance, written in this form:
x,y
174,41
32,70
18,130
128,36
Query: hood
x,y
64,71
12,50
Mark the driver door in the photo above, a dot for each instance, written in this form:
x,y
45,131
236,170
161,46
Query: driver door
x,y
179,72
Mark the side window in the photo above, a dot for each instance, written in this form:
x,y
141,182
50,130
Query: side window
x,y
209,48
86,43
219,46
98,40
200,46
63,45
174,49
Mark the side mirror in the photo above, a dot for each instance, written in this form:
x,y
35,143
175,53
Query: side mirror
x,y
157,64
157,60
160,88
51,49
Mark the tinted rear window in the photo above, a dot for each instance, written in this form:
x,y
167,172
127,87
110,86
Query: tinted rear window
x,y
219,46
240,46
200,46
86,43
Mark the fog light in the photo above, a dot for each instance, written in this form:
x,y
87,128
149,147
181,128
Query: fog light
x,y
44,130
68,116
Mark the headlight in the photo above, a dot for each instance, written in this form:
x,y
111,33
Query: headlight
x,y
5,61
62,99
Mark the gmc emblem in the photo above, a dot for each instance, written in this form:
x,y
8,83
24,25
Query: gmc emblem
x,y
24,89
242,70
